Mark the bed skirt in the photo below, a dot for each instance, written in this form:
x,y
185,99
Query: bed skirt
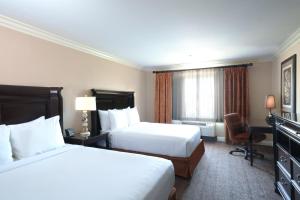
x,y
184,167
172,195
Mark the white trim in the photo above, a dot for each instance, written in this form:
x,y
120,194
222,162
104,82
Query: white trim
x,y
45,35
221,139
266,143
290,41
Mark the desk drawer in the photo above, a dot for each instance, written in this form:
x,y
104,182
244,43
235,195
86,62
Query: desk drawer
x,y
284,158
285,183
297,194
296,190
296,172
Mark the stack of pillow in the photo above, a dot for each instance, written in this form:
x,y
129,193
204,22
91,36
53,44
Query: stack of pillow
x,y
118,118
29,139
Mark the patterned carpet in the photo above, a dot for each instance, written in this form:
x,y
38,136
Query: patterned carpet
x,y
221,176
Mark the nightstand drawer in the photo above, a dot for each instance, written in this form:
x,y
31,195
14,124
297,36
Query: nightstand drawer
x,y
73,140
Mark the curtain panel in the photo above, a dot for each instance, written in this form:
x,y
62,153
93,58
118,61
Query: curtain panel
x,y
236,93
163,97
198,95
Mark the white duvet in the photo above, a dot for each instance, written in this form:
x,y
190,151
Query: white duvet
x,y
175,140
82,173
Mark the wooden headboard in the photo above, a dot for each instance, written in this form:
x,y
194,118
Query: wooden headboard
x,y
19,104
106,99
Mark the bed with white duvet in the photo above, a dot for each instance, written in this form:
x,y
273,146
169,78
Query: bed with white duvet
x,y
179,143
77,172
36,164
166,139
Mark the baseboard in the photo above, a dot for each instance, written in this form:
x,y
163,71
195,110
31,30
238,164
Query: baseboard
x,y
265,143
209,138
221,139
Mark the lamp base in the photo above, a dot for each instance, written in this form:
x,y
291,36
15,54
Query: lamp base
x,y
85,134
270,120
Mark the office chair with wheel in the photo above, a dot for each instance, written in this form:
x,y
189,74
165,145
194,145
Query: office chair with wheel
x,y
238,134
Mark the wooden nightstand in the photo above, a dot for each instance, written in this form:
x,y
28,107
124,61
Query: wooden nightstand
x,y
91,141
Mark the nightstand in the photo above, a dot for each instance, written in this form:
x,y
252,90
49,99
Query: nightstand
x,y
91,141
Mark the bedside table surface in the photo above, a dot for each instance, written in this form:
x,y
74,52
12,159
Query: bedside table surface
x,y
87,141
79,137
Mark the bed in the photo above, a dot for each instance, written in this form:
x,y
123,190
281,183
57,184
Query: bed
x,y
179,143
75,172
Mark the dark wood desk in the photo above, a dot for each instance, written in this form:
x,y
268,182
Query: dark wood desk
x,y
257,128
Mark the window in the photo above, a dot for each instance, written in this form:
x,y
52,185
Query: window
x,y
198,95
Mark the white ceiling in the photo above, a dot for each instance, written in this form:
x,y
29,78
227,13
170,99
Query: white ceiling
x,y
151,33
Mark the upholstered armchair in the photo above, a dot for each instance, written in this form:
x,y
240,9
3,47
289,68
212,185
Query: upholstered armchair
x,y
238,134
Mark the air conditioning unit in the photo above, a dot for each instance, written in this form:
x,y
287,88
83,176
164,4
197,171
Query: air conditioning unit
x,y
207,129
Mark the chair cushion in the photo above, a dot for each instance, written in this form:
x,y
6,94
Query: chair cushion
x,y
241,138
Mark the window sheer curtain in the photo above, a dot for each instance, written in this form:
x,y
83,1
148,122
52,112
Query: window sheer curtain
x,y
198,95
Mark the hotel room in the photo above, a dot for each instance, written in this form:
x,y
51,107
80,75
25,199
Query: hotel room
x,y
154,100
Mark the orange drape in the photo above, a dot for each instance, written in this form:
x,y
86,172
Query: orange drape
x,y
163,97
236,93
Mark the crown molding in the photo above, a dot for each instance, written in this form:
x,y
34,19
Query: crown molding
x,y
290,41
54,38
216,63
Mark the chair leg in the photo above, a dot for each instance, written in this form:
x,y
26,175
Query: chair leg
x,y
239,150
246,153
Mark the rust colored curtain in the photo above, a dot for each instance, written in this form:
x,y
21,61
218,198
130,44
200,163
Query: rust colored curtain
x,y
163,97
236,97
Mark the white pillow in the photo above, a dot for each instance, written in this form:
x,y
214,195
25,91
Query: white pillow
x,y
104,120
36,137
118,119
5,146
27,139
54,135
133,116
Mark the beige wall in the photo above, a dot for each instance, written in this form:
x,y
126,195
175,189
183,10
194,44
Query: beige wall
x,y
276,76
25,60
260,85
150,95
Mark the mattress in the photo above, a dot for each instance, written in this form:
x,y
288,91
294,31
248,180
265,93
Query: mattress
x,y
77,173
174,140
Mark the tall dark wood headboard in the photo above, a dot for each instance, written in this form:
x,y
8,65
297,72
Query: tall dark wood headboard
x,y
107,99
19,104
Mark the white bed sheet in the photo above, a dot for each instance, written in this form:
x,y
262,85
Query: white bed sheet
x,y
83,173
175,140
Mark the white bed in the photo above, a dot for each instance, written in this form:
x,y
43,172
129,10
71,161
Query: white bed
x,y
76,172
165,139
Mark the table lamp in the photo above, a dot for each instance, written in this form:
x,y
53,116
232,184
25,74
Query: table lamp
x,y
85,104
270,103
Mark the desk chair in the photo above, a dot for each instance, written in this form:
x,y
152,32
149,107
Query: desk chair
x,y
238,134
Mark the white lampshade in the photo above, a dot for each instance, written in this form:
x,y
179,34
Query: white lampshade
x,y
270,102
85,103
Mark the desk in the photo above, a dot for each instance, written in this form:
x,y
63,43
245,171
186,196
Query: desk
x,y
257,128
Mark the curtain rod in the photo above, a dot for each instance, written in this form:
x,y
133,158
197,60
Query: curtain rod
x,y
226,66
